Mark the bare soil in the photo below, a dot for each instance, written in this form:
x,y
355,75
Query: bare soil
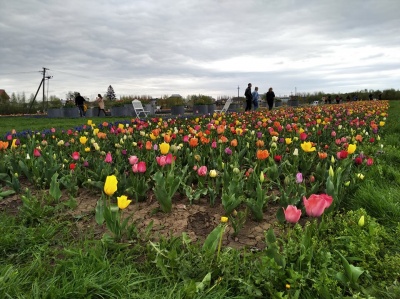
x,y
196,220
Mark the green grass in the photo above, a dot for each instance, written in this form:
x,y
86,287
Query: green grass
x,y
34,123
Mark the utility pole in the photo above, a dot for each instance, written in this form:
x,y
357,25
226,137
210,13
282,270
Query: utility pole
x,y
42,82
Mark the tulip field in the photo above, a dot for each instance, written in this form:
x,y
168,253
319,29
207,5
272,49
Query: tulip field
x,y
296,202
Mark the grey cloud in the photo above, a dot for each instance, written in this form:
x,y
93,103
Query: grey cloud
x,y
160,47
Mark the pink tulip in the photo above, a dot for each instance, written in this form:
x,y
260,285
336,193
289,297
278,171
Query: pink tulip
x,y
133,160
316,204
214,144
75,156
292,214
141,166
164,160
299,178
202,171
108,158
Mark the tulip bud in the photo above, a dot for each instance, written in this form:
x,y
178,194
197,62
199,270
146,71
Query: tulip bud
x,y
213,173
361,222
236,170
224,219
331,172
262,177
360,176
347,183
332,159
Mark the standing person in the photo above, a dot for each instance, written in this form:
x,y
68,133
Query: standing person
x,y
270,98
255,96
100,102
249,97
80,101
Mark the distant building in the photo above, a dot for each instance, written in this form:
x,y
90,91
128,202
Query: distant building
x,y
4,97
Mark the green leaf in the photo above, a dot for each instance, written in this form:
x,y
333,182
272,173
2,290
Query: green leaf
x,y
211,242
270,236
205,282
55,191
280,215
99,216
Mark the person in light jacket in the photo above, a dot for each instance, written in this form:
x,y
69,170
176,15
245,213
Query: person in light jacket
x,y
256,97
100,102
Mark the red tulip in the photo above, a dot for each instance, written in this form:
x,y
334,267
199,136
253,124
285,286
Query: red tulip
x,y
342,155
36,152
292,214
316,204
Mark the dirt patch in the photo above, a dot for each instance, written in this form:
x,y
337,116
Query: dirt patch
x,y
196,220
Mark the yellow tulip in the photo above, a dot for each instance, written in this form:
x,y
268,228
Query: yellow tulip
x,y
83,139
224,219
164,148
110,186
307,147
89,122
352,148
213,173
123,202
288,140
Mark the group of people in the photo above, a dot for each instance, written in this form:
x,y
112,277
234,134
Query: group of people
x,y
252,98
80,103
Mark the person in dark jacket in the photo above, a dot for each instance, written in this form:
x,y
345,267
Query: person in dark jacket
x,y
270,98
249,97
80,101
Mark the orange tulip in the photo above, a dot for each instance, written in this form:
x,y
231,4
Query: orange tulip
x,y
167,138
234,143
220,129
156,132
193,142
204,140
262,154
223,139
149,145
322,155
3,145
259,143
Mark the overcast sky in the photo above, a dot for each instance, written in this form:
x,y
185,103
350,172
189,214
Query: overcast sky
x,y
162,47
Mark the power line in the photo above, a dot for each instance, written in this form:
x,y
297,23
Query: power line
x,y
75,75
16,73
